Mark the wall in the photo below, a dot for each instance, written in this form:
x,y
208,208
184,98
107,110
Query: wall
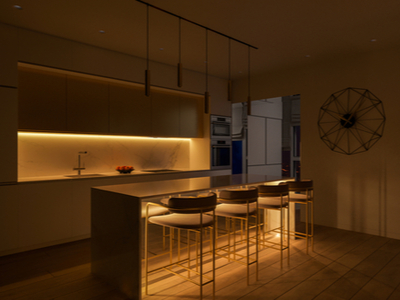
x,y
356,192
52,154
41,49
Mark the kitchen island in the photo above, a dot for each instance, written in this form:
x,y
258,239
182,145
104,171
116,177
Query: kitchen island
x,y
116,222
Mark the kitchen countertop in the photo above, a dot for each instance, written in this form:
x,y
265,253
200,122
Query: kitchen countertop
x,y
117,223
177,186
100,175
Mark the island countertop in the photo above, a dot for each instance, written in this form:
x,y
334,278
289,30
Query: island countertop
x,y
116,222
145,190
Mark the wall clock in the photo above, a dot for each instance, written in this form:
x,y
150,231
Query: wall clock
x,y
351,121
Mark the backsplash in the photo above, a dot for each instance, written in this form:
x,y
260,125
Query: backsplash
x,y
57,154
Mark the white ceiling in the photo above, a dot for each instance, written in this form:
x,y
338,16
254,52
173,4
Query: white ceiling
x,y
286,32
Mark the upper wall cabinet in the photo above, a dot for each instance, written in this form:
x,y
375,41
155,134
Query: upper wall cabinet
x,y
130,110
190,116
165,114
87,106
42,100
63,101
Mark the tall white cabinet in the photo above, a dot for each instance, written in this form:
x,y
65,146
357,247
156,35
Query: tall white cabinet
x,y
265,137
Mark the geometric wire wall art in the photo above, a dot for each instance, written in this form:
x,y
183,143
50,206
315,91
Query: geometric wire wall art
x,y
351,121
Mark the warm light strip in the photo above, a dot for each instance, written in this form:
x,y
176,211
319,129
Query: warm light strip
x,y
99,136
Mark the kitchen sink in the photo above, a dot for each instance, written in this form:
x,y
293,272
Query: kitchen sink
x,y
159,170
83,175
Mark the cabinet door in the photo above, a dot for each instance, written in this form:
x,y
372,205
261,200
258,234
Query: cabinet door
x,y
87,105
274,141
41,100
130,110
165,114
8,135
190,116
256,141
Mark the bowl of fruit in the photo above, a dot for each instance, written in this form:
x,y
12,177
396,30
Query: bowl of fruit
x,y
124,169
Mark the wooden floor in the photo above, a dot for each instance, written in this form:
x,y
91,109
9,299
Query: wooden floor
x,y
344,265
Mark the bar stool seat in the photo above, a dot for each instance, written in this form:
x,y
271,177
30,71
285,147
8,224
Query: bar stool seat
x,y
235,210
271,202
187,221
299,197
153,210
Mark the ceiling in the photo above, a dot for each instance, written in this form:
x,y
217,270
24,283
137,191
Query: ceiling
x,y
286,32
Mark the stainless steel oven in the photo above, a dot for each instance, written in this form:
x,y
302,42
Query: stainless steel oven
x,y
221,154
220,127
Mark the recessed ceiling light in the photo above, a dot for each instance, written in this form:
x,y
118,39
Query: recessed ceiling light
x,y
102,31
17,6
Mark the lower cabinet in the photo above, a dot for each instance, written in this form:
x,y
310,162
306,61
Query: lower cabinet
x,y
39,214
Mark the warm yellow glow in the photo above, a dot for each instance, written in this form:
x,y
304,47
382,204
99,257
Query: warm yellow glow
x,y
45,134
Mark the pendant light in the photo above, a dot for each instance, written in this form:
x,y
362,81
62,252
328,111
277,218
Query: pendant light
x,y
206,94
229,74
147,71
248,85
180,55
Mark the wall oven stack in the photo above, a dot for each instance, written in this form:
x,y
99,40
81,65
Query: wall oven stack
x,y
221,143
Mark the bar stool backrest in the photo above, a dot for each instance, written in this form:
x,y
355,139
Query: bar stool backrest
x,y
192,205
238,196
273,190
300,186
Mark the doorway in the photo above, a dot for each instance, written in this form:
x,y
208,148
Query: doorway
x,y
268,141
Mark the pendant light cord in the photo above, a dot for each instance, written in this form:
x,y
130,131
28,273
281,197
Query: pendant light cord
x,y
180,40
229,60
248,71
148,38
206,60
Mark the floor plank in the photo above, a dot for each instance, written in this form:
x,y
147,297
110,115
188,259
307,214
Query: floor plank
x,y
343,265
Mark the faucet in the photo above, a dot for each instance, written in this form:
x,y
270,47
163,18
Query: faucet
x,y
79,168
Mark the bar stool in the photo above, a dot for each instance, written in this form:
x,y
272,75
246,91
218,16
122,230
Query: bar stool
x,y
275,197
236,204
302,192
155,211
186,213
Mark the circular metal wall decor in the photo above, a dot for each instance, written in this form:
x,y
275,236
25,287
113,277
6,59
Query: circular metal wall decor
x,y
351,121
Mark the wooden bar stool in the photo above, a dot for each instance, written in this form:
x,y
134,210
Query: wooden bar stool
x,y
275,197
302,192
239,204
187,213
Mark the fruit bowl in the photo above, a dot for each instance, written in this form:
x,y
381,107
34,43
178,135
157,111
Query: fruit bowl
x,y
124,169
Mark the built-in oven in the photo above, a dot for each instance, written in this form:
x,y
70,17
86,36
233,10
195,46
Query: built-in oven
x,y
221,154
220,127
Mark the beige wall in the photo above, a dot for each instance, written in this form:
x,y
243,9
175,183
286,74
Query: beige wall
x,y
41,49
356,192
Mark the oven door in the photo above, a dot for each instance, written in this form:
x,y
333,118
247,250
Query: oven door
x,y
221,156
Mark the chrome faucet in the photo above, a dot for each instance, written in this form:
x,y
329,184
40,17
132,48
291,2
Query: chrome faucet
x,y
79,168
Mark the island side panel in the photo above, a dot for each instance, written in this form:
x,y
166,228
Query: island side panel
x,y
116,236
